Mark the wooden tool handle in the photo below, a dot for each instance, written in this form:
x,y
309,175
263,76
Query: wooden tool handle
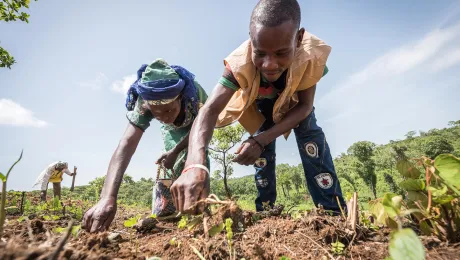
x,y
73,178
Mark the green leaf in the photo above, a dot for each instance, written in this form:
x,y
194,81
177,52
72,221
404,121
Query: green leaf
x,y
407,169
2,177
216,229
406,245
426,228
381,216
412,185
446,199
130,222
59,230
183,222
437,192
416,196
392,204
76,230
194,222
449,168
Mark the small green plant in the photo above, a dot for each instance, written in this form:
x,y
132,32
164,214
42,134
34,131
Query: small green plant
x,y
431,197
183,222
51,217
338,248
76,231
216,229
129,223
4,178
174,242
285,258
228,228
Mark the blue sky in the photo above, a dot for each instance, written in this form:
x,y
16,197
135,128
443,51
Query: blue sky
x,y
394,67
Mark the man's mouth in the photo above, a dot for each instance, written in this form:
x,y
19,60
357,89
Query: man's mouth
x,y
271,73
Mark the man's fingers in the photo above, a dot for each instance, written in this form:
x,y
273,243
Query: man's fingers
x,y
107,223
87,219
180,199
96,226
239,149
201,206
160,159
174,197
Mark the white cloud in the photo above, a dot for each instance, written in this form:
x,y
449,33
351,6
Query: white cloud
x,y
14,114
393,92
122,86
450,59
96,83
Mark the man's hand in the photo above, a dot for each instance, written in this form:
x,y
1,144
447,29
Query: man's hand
x,y
190,188
168,159
99,217
248,153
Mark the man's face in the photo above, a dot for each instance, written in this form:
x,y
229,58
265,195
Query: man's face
x,y
273,48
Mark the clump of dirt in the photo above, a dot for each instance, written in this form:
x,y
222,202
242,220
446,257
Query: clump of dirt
x,y
271,237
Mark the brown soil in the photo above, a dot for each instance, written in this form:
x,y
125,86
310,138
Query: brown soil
x,y
270,238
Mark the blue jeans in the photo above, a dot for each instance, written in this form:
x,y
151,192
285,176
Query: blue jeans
x,y
319,171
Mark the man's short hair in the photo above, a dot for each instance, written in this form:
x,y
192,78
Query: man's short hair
x,y
273,13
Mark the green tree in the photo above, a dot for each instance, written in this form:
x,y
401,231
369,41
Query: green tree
x,y
284,178
410,134
296,179
10,11
365,164
224,139
436,145
454,123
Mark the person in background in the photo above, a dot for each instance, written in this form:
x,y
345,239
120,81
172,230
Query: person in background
x,y
53,173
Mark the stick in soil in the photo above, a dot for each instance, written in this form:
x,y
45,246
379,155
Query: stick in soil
x,y
22,202
55,255
316,243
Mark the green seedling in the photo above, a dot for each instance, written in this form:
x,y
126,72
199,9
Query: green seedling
x,y
183,222
228,228
216,229
338,248
4,179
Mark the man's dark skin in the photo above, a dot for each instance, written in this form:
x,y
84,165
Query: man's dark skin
x,y
101,215
273,52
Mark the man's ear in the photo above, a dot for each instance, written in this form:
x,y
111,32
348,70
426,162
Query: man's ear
x,y
300,36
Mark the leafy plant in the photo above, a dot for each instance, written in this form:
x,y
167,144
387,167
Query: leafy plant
x,y
4,179
11,10
129,223
216,229
432,199
228,228
224,139
183,222
405,244
338,248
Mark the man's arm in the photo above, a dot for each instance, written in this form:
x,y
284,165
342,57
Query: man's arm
x,y
248,156
67,171
194,185
204,124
